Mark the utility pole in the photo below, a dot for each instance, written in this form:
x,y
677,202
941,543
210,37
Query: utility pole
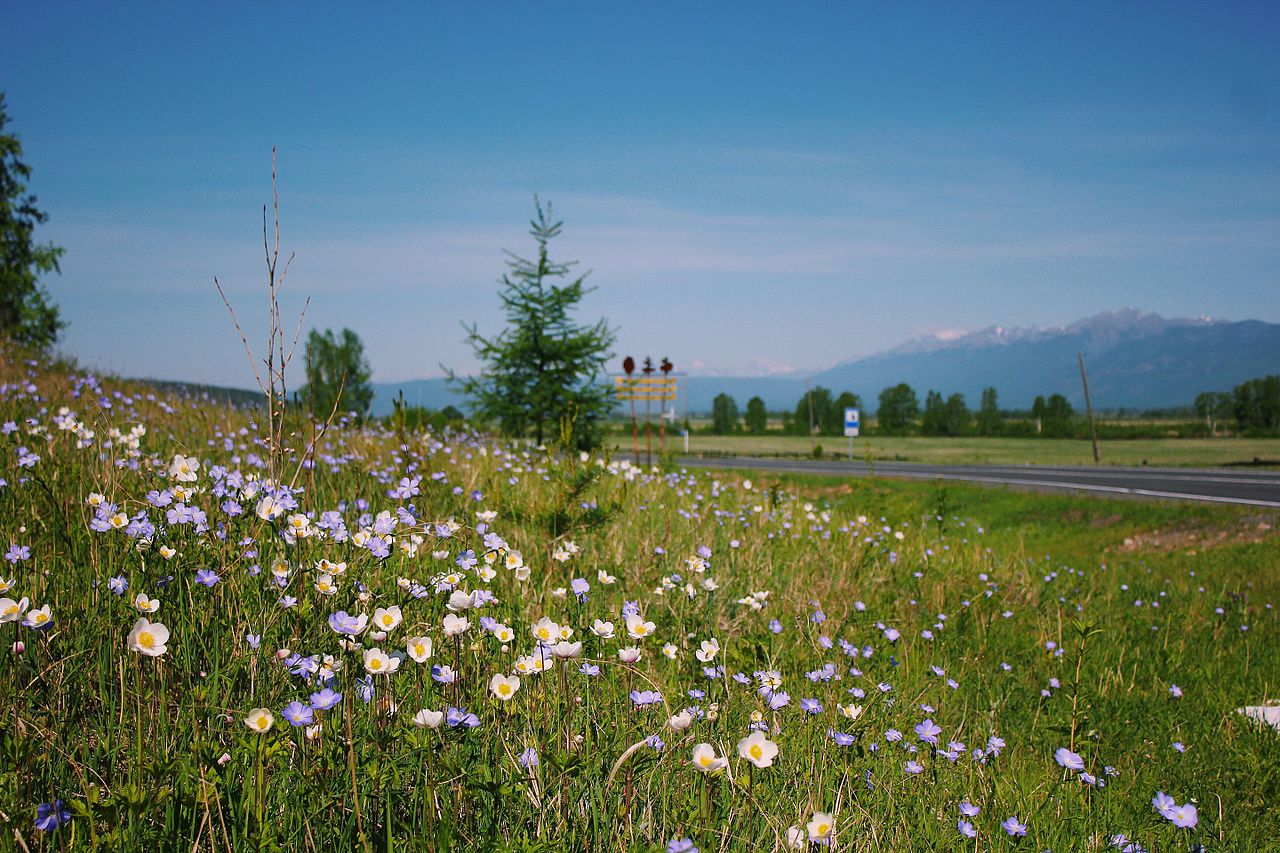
x,y
813,438
1088,405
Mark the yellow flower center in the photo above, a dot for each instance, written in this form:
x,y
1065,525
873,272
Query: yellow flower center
x,y
755,750
504,689
823,828
375,664
260,723
146,640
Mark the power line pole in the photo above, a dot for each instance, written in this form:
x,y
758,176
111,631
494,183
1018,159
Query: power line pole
x,y
1093,430
813,438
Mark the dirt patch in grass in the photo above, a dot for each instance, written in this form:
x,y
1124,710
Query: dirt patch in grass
x,y
1199,536
828,491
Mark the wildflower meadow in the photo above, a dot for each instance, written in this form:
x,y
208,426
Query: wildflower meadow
x,y
366,638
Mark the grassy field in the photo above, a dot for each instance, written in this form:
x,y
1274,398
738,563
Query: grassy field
x,y
403,647
1004,451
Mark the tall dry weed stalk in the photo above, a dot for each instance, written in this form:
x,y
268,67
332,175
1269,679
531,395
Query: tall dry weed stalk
x,y
274,386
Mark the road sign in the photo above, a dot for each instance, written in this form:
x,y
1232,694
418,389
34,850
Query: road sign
x,y
662,388
851,422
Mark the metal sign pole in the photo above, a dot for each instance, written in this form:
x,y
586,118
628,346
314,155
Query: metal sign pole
x,y
851,424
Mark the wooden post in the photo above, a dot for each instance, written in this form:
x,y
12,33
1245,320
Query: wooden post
x,y
1088,405
813,438
648,436
635,433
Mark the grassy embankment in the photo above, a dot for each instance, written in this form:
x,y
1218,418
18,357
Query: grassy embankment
x,y
850,620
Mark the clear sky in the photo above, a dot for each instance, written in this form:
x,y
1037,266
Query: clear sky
x,y
754,186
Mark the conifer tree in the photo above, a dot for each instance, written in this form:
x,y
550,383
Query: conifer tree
x,y
26,314
540,376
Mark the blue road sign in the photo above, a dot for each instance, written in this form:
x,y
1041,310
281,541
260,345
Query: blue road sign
x,y
851,422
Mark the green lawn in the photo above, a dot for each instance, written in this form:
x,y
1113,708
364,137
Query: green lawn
x,y
1202,452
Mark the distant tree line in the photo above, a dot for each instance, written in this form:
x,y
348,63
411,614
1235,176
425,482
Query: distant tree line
x,y
1253,405
820,412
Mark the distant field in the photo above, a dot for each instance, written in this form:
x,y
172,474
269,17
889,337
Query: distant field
x,y
1206,452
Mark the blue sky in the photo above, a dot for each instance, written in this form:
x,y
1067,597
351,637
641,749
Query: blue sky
x,y
755,187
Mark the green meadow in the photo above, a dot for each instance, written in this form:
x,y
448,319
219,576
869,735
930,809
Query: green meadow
x,y
378,640
1200,452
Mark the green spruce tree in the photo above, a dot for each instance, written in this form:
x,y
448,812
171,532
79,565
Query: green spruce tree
x,y
541,375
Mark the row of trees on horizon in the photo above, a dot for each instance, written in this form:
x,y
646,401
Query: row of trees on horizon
x,y
899,412
1252,407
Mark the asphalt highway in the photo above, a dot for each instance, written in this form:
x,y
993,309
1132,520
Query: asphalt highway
x,y
1211,485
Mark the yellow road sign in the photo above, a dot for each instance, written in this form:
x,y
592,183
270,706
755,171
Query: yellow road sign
x,y
645,387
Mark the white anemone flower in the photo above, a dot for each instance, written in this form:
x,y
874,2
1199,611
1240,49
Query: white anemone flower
x,y
850,711
708,650
545,631
12,611
455,625
504,687
419,648
387,618
148,638
820,826
758,749
706,760
460,600
260,720
566,649
269,509
638,628
428,719
184,469
681,721
378,662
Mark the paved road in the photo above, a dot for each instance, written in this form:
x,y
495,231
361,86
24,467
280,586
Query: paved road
x,y
1212,485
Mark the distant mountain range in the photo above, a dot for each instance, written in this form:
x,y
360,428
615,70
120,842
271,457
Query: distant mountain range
x,y
1135,361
